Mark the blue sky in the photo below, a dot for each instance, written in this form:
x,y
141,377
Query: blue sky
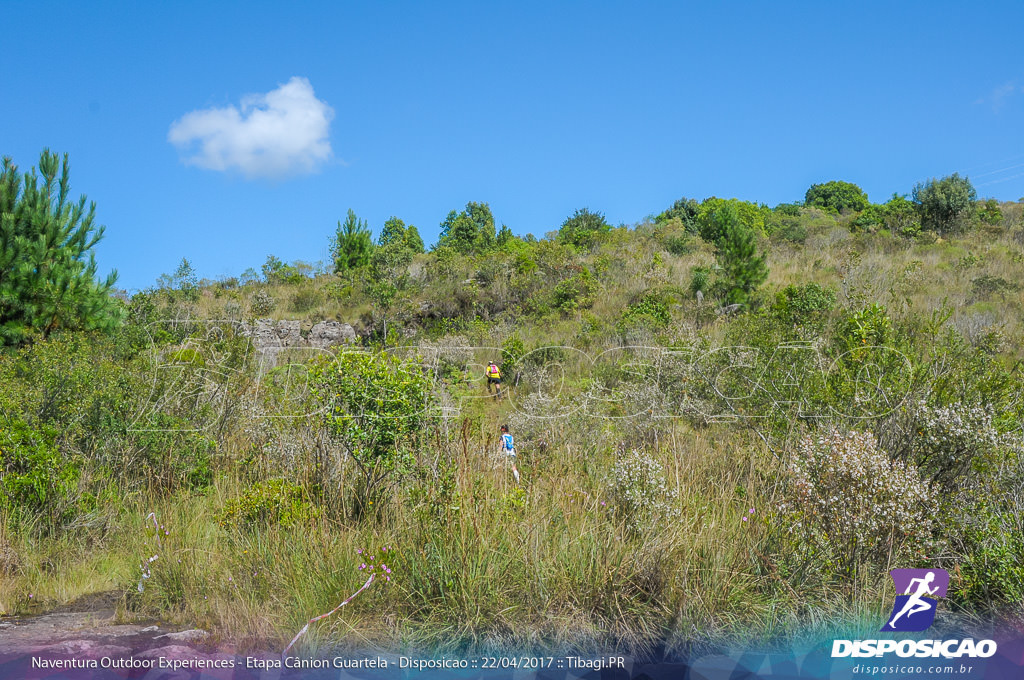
x,y
223,132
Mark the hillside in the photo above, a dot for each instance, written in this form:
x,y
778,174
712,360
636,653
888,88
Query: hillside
x,y
746,462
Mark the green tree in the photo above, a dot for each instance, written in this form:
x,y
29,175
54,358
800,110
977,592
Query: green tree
x,y
394,230
583,229
353,244
743,270
374,405
837,196
47,267
480,214
710,226
471,231
945,205
413,240
685,210
504,236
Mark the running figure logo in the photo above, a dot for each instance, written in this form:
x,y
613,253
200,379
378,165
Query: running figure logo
x,y
915,608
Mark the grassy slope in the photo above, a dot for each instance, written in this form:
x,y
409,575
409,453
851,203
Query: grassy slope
x,y
478,562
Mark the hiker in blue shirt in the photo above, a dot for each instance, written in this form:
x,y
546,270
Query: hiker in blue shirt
x,y
508,446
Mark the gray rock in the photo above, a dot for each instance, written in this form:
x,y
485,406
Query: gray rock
x,y
330,333
185,636
150,629
266,334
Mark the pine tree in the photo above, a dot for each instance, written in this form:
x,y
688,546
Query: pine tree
x,y
353,244
743,270
47,267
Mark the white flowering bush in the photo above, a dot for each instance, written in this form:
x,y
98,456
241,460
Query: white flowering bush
x,y
262,303
850,504
640,493
948,438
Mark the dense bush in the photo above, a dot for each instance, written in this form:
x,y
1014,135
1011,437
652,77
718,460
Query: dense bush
x,y
36,479
641,496
950,438
945,205
171,455
575,292
685,210
650,311
583,229
849,504
798,305
375,406
837,196
262,303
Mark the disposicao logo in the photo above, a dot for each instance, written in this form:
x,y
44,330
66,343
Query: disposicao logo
x,y
914,610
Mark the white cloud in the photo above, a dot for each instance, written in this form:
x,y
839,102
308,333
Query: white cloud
x,y
283,132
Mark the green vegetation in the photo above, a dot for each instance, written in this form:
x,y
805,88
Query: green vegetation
x,y
679,479
583,229
352,244
836,196
945,204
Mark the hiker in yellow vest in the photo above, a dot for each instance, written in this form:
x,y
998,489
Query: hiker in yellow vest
x,y
493,377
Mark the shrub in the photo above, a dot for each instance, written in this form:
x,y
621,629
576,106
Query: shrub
x,y
870,326
794,233
989,212
640,493
174,455
35,478
787,209
272,503
679,244
375,406
849,503
262,303
945,204
986,286
797,305
991,561
650,310
700,279
711,221
276,271
575,292
512,350
685,210
949,438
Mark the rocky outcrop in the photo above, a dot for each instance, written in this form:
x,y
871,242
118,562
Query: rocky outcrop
x,y
270,334
330,333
